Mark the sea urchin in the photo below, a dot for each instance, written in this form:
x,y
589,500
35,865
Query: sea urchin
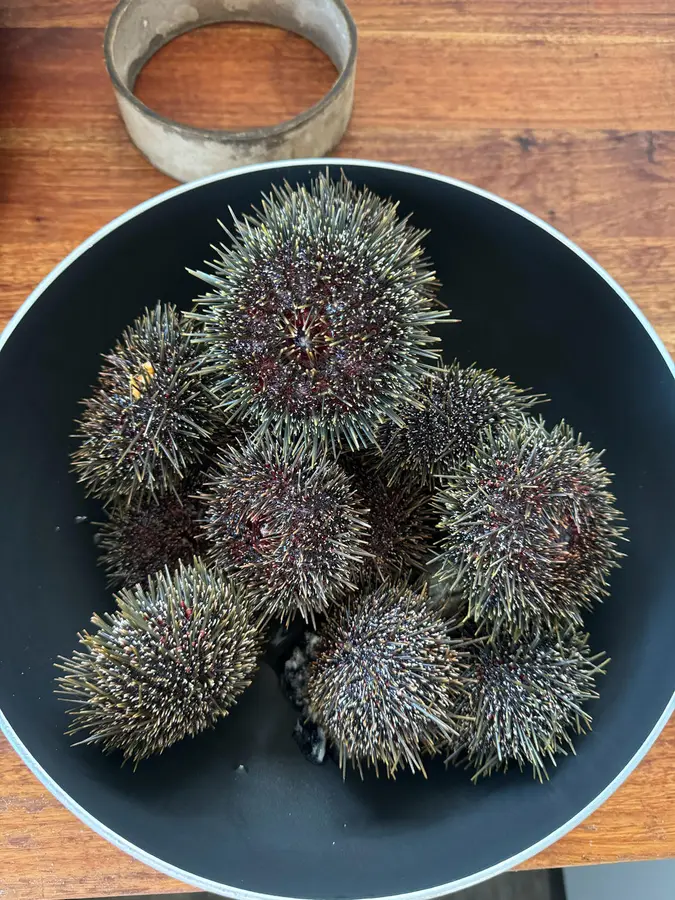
x,y
524,699
400,517
167,664
150,418
137,541
384,683
291,528
530,526
318,325
456,407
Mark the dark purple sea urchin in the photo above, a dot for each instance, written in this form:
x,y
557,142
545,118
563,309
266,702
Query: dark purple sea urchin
x,y
401,518
149,419
318,325
139,540
524,699
529,524
385,680
167,664
456,407
290,528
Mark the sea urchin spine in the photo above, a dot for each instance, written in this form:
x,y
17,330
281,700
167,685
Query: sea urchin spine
x,y
401,518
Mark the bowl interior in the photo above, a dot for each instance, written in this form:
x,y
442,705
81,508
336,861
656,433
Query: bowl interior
x,y
531,308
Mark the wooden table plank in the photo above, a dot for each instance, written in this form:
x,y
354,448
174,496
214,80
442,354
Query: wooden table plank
x,y
506,79
567,110
573,179
619,17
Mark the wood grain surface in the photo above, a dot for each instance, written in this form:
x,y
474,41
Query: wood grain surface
x,y
566,108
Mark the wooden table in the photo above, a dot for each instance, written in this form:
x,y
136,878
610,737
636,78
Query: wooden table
x,y
562,107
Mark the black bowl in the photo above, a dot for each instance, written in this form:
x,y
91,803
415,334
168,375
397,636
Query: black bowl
x,y
238,810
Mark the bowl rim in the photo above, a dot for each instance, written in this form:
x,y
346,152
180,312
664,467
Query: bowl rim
x,y
231,891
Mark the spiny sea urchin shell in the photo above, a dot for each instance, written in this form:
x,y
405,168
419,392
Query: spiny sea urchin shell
x,y
318,325
530,525
457,405
137,541
524,699
290,527
167,664
401,518
149,419
384,683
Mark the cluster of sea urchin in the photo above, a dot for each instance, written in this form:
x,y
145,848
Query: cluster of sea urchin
x,y
150,418
290,528
386,679
315,345
167,664
319,323
523,700
455,408
529,522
